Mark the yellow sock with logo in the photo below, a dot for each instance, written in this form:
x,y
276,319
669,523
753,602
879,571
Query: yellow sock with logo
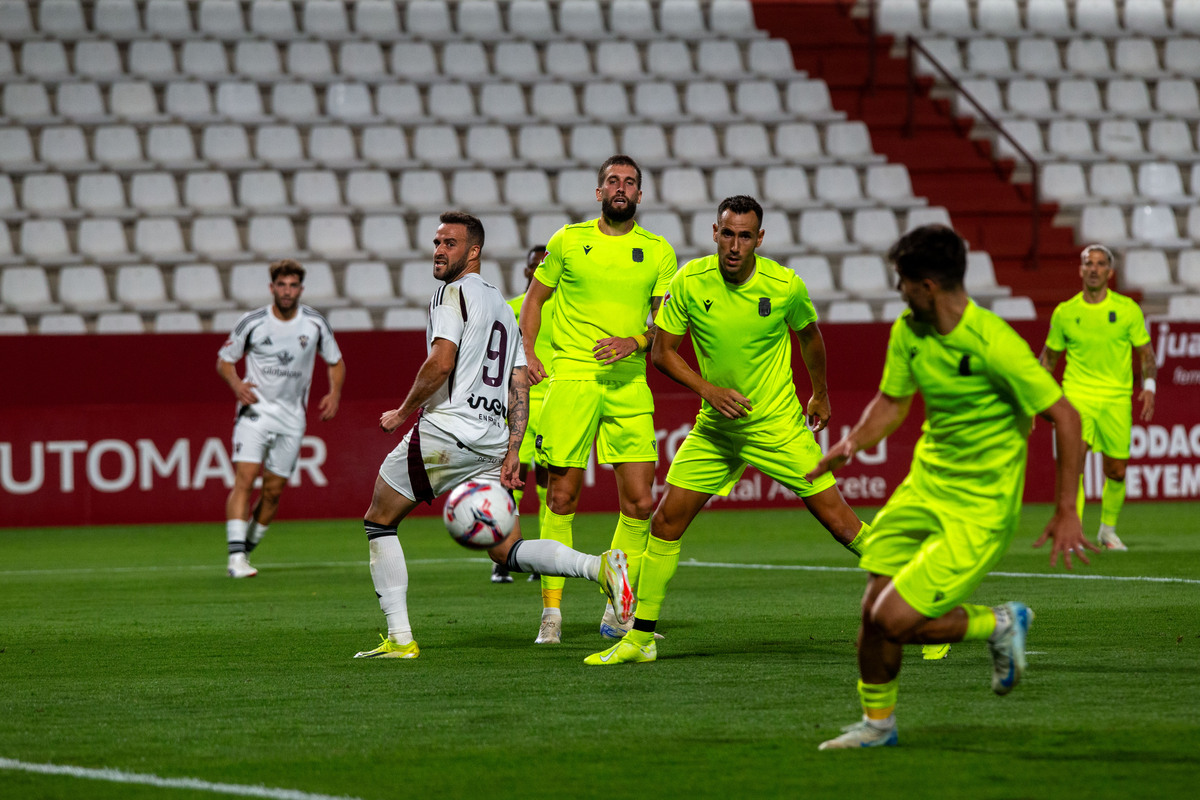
x,y
560,528
631,536
981,622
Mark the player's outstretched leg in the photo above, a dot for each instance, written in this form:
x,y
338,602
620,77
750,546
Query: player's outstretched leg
x,y
1007,644
614,582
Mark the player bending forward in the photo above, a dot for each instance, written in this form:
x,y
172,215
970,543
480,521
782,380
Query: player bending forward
x,y
472,394
955,514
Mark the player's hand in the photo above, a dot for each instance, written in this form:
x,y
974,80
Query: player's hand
x,y
1067,532
614,348
390,420
819,412
836,457
537,370
510,471
1147,398
731,403
329,406
245,393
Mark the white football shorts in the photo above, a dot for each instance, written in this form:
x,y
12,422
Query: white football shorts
x,y
429,462
277,452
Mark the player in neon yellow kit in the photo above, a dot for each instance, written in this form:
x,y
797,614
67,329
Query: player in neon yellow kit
x,y
955,514
1097,329
608,276
533,257
740,309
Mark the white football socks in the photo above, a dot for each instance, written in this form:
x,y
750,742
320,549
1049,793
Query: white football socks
x,y
235,535
548,557
389,573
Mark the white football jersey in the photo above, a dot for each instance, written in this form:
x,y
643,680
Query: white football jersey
x,y
472,405
279,360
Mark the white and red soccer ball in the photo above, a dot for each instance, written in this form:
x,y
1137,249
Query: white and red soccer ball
x,y
479,514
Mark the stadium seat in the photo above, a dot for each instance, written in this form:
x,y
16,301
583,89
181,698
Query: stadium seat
x,y
706,100
1147,272
464,60
866,277
1181,55
1079,97
384,146
591,144
217,239
787,187
45,241
272,19
417,283
848,311
120,322
838,185
949,17
248,284
659,100
1121,138
1170,138
154,193
177,322
26,289
604,100
684,188
226,146
64,147
189,101
989,58
1187,269
296,102
1064,183
44,61
1039,57
350,319
332,236
115,146
1029,97
102,194
316,190
1111,182
618,60
1162,182
554,101
116,18
730,181
325,19
568,60
405,319
198,287
141,288
1147,17
1014,308
203,59
46,195
476,189
369,283
875,228
823,230
1048,17
1137,57
1183,307
850,141
160,240
503,102
437,145
309,61
480,20
386,236
632,19
1103,224
681,18
799,143
670,59
423,189
695,143
818,278
759,100
320,289
933,215
368,190
103,240
80,102
541,145
1177,96
1098,17
980,280
1155,225
168,17
413,61
770,58
271,237
61,323
151,59
1127,97
998,17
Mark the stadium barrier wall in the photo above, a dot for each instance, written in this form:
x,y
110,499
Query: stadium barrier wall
x,y
135,429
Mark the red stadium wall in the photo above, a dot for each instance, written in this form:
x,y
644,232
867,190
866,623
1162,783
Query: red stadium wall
x,y
133,429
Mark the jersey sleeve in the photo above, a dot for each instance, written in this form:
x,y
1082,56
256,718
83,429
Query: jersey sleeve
x,y
672,314
550,271
1138,335
235,345
1055,339
801,312
329,346
668,265
1014,366
448,317
898,380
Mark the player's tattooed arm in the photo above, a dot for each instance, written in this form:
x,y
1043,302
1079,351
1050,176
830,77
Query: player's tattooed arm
x,y
518,407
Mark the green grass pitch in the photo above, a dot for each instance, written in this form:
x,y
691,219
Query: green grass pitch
x,y
128,649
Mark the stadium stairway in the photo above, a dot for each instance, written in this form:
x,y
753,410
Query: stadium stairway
x,y
947,165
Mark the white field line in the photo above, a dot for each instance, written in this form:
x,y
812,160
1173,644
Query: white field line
x,y
194,784
1076,576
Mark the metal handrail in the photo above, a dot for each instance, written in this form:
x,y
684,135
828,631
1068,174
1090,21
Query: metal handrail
x,y
911,45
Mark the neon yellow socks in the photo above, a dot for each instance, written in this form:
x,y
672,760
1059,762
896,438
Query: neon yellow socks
x,y
878,699
981,622
631,536
1111,502
658,567
560,528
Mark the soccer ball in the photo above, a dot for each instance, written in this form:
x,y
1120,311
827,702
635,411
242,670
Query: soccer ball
x,y
479,514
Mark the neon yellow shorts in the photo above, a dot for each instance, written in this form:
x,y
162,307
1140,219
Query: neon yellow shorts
x,y
712,461
619,415
536,395
1107,423
935,558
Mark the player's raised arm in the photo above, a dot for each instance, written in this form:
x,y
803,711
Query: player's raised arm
x,y
530,321
881,416
430,377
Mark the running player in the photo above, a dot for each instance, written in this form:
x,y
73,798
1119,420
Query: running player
x,y
473,431
955,514
280,342
740,309
608,276
1097,329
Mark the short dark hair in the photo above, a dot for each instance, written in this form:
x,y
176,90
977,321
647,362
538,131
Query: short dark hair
x,y
537,248
740,204
931,251
618,160
469,221
286,266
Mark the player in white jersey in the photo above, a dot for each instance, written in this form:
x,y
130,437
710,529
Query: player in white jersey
x,y
472,399
280,343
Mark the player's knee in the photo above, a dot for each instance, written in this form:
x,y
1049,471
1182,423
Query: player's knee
x,y
1115,472
639,507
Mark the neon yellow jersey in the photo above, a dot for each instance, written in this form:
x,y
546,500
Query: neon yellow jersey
x,y
981,385
1098,339
603,285
541,345
741,335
